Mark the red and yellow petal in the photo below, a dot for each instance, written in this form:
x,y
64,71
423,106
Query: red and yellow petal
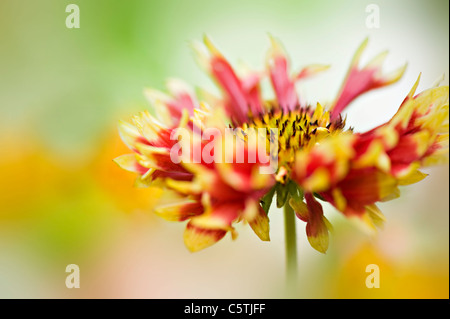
x,y
129,163
180,211
206,229
311,70
361,80
241,95
414,137
169,108
257,219
282,82
197,238
325,164
129,134
360,188
317,226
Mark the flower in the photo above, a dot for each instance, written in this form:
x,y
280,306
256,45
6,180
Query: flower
x,y
318,158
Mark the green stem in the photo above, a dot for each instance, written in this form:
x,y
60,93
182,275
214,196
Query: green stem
x,y
290,237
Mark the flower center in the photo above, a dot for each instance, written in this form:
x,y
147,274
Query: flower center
x,y
298,129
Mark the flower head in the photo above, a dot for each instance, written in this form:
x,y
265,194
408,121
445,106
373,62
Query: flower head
x,y
221,179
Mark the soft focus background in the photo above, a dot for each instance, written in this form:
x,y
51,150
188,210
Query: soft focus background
x,y
63,200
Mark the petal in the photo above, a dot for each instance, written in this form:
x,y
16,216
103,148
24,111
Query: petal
x,y
129,134
311,70
242,95
218,215
180,211
360,188
278,66
317,233
316,227
159,102
420,128
149,127
300,208
375,155
370,220
184,96
158,158
369,168
129,163
429,103
361,80
184,187
323,165
257,219
197,238
169,108
375,215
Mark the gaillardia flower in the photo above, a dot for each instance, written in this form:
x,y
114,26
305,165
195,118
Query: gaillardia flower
x,y
221,179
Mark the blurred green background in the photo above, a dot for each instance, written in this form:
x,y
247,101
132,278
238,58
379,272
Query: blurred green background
x,y
63,201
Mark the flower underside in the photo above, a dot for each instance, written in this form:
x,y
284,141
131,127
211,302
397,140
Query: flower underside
x,y
318,158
